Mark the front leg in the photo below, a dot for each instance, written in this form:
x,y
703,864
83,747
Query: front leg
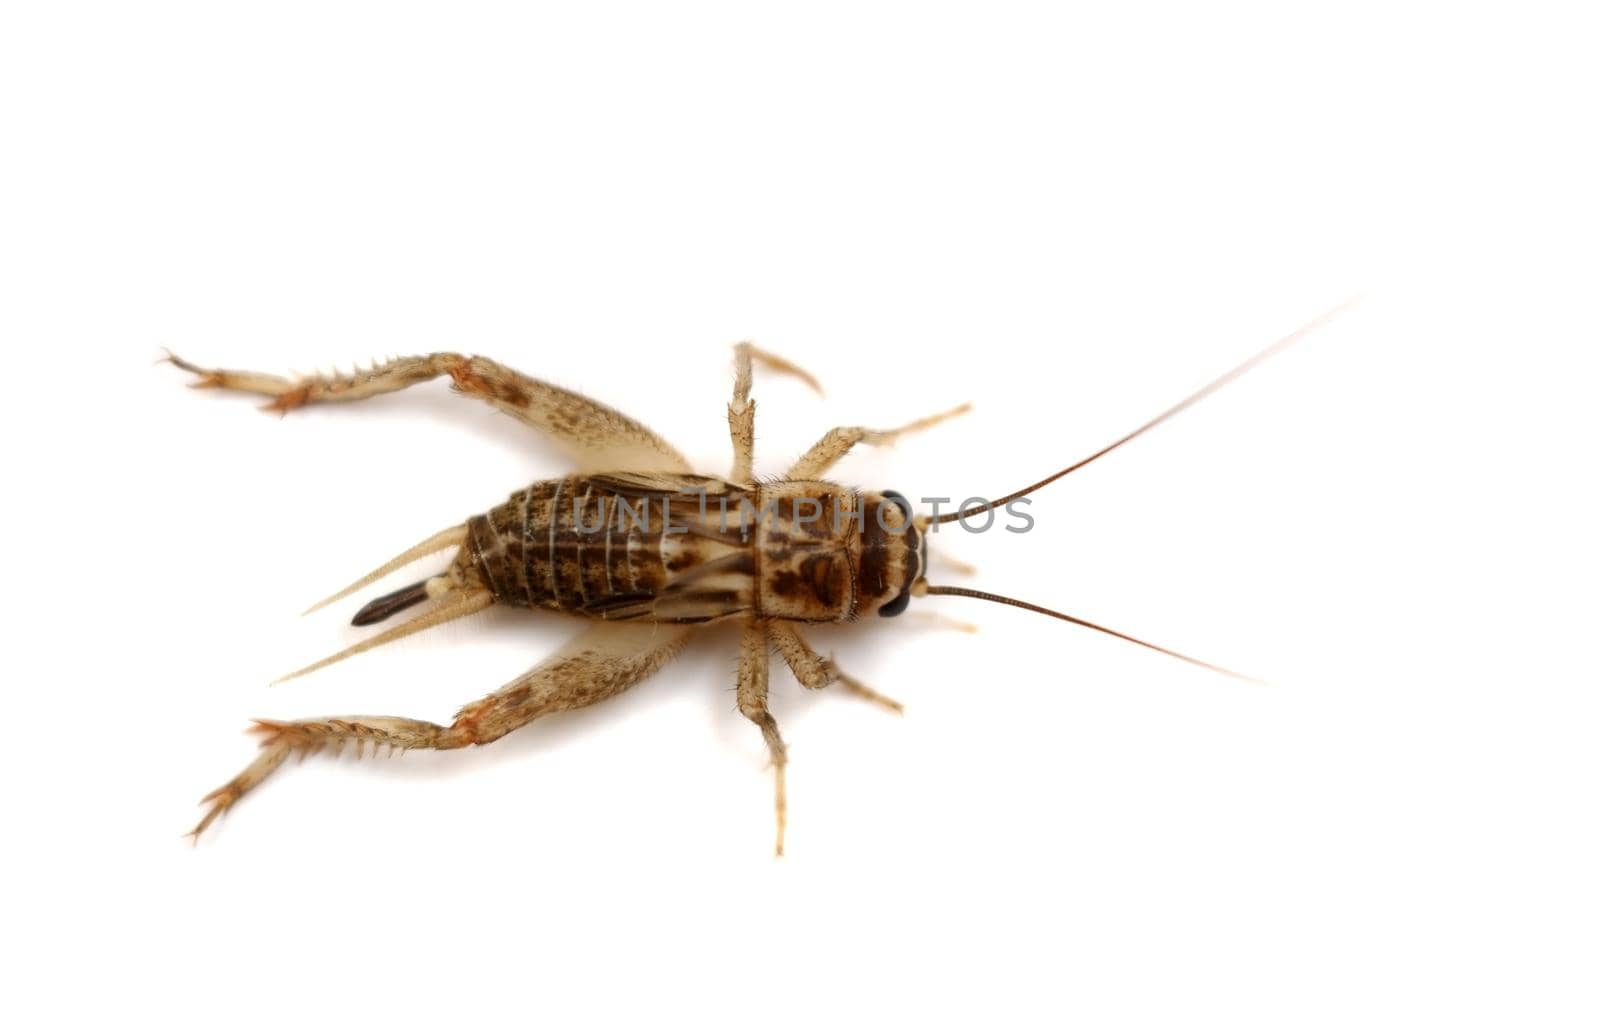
x,y
826,452
597,437
753,658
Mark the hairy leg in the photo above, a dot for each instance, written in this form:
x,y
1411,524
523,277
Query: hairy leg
x,y
826,452
753,657
818,672
599,438
742,410
601,662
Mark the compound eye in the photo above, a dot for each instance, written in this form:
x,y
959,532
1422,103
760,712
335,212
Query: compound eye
x,y
897,606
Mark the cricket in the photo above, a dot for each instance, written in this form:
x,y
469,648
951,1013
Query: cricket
x,y
648,553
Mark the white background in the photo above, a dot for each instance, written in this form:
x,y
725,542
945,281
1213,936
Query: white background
x,y
1070,215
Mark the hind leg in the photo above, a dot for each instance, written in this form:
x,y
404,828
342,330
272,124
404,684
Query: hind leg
x,y
601,662
599,438
280,739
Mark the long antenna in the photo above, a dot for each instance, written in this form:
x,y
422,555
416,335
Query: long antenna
x,y
1183,405
947,590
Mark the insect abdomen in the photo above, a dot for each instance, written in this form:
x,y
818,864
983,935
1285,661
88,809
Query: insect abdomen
x,y
594,546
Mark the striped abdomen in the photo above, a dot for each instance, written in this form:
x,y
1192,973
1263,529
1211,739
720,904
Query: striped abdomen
x,y
617,548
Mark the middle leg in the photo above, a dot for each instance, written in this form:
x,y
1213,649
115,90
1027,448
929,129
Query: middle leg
x,y
826,452
818,672
753,661
742,410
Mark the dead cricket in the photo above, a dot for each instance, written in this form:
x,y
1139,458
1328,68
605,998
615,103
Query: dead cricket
x,y
647,552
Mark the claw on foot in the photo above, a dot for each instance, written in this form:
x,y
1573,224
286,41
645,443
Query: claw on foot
x,y
220,801
279,739
209,379
285,396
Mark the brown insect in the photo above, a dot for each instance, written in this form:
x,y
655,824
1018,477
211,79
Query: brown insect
x,y
647,551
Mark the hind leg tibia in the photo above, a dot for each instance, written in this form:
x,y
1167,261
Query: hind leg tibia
x,y
601,662
288,394
599,438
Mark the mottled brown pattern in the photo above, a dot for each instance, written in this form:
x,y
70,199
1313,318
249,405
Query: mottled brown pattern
x,y
633,541
814,552
650,549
